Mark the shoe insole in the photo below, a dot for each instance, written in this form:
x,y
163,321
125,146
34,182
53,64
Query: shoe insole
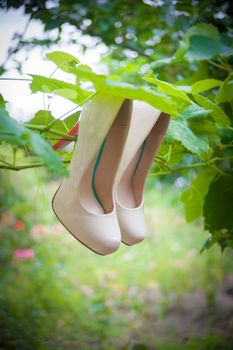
x,y
97,184
131,186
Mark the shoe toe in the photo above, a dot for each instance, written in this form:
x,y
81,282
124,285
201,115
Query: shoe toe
x,y
100,233
132,224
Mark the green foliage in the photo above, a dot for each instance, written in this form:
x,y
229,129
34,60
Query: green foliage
x,y
145,29
169,89
111,86
16,134
52,125
191,80
194,197
180,131
216,112
204,85
69,91
218,210
203,42
225,92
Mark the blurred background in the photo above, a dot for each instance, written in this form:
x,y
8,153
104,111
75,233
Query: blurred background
x,y
56,294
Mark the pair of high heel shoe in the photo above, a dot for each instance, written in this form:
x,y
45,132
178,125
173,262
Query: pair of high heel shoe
x,y
101,202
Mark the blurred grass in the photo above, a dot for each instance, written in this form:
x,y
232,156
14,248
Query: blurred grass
x,y
159,294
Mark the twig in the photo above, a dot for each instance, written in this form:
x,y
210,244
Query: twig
x,y
26,166
220,66
43,129
19,79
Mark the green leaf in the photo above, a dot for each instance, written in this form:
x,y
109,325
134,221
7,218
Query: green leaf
x,y
11,131
61,58
201,29
105,85
42,118
218,205
41,148
2,70
205,29
202,42
70,121
207,128
69,91
2,101
159,101
173,152
193,197
179,131
203,48
201,72
16,134
225,93
222,238
167,88
194,111
204,85
216,112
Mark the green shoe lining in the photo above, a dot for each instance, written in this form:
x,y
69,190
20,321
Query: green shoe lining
x,y
98,162
94,173
140,157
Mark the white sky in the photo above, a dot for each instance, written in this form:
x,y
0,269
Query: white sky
x,y
22,104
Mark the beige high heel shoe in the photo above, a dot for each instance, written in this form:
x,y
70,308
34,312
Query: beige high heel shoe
x,y
84,202
147,130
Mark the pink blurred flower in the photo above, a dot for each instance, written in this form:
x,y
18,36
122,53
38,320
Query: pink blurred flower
x,y
19,225
38,230
24,254
57,229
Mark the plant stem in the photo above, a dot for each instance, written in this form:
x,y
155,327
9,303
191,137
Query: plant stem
x,y
25,166
42,129
19,79
220,66
174,170
3,161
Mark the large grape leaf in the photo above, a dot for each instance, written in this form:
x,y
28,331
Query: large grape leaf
x,y
193,197
110,86
218,205
179,131
16,134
